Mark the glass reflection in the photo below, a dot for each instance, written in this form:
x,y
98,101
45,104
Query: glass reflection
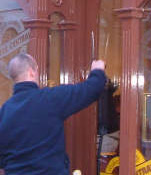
x,y
111,52
13,40
144,143
110,39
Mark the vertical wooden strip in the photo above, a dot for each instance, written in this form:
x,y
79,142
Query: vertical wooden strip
x,y
129,89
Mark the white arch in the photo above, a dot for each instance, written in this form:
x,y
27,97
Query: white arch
x,y
16,25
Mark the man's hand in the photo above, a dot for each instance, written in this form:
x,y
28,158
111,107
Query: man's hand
x,y
98,64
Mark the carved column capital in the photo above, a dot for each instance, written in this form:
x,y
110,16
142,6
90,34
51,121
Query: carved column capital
x,y
131,12
37,23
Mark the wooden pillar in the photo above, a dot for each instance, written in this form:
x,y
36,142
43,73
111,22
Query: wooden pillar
x,y
130,18
38,45
38,22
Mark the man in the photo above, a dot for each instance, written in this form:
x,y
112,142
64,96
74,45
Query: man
x,y
32,120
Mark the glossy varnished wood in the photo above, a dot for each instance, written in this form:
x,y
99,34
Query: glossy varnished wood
x,y
130,18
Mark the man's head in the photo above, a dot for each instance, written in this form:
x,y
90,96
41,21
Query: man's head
x,y
23,67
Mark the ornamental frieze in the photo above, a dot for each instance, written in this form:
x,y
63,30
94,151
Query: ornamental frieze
x,y
57,2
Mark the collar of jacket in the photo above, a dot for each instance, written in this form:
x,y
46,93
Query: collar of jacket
x,y
24,86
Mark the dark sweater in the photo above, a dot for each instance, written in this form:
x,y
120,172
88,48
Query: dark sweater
x,y
32,125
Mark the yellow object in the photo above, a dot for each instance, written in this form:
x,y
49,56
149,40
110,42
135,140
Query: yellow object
x,y
77,172
108,153
113,163
143,167
139,158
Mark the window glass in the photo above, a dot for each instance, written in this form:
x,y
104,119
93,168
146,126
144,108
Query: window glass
x,y
110,51
14,39
144,120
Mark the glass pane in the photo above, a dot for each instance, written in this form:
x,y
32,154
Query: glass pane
x,y
109,106
143,154
14,39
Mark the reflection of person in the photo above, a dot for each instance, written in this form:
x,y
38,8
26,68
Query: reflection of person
x,y
31,121
110,119
109,106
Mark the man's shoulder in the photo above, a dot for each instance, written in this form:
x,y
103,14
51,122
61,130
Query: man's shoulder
x,y
56,93
55,89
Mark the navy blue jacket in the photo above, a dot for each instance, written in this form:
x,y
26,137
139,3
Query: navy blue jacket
x,y
32,125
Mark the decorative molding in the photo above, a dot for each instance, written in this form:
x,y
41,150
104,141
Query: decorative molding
x,y
37,23
130,12
57,2
67,25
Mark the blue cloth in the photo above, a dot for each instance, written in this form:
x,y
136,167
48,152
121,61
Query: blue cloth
x,y
32,125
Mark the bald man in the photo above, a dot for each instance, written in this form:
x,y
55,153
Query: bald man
x,y
32,120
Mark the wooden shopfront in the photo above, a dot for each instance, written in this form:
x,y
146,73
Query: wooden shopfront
x,y
65,36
